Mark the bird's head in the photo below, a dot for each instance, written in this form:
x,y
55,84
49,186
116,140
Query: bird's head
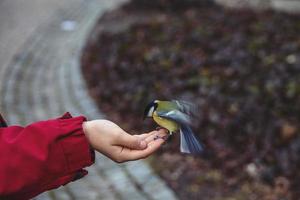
x,y
150,108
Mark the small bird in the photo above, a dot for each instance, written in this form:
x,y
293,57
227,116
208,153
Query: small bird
x,y
175,115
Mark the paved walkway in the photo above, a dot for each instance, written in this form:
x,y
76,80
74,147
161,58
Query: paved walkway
x,y
290,6
40,78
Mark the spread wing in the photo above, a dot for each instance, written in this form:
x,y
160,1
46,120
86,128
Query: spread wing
x,y
186,107
175,115
178,111
181,112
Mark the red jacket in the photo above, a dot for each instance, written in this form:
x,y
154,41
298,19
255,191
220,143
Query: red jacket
x,y
42,156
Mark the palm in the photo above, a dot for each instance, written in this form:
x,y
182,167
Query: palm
x,y
109,139
152,145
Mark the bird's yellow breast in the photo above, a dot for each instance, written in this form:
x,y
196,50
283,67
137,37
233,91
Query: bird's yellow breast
x,y
168,124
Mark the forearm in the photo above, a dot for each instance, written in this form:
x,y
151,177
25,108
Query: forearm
x,y
42,156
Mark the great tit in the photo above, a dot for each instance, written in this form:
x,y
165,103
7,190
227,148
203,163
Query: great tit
x,y
175,115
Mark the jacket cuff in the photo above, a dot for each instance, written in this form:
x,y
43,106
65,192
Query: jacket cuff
x,y
76,149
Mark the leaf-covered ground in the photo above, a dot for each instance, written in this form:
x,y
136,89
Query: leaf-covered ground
x,y
242,69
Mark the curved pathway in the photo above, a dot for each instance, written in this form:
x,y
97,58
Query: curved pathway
x,y
40,78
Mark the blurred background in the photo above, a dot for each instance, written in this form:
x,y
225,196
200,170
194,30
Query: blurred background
x,y
238,60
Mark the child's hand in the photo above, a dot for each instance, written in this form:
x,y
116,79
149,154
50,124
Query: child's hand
x,y
109,139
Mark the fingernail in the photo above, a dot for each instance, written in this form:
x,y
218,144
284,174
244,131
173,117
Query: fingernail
x,y
164,130
143,144
158,128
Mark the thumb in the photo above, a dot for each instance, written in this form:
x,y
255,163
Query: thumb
x,y
130,141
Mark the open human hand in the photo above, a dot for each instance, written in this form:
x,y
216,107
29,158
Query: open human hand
x,y
109,139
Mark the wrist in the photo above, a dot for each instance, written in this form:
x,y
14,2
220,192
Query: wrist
x,y
87,131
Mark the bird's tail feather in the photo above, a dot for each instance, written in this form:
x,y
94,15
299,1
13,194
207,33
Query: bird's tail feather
x,y
188,141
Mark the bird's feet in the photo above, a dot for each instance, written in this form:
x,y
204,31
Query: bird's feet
x,y
163,137
159,137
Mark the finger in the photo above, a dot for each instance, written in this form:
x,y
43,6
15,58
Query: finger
x,y
139,154
145,135
130,141
151,135
156,134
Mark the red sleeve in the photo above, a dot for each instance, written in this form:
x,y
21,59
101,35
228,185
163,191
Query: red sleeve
x,y
42,156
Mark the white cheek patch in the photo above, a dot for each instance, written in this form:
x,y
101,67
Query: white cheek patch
x,y
150,113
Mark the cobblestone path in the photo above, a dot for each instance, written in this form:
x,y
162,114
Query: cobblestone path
x,y
42,79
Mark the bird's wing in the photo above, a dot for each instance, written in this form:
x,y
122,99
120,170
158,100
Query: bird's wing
x,y
175,115
188,141
186,107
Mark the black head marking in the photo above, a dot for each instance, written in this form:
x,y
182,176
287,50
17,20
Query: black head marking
x,y
153,105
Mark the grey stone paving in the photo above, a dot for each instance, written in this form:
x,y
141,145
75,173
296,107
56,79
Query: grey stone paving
x,y
40,78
